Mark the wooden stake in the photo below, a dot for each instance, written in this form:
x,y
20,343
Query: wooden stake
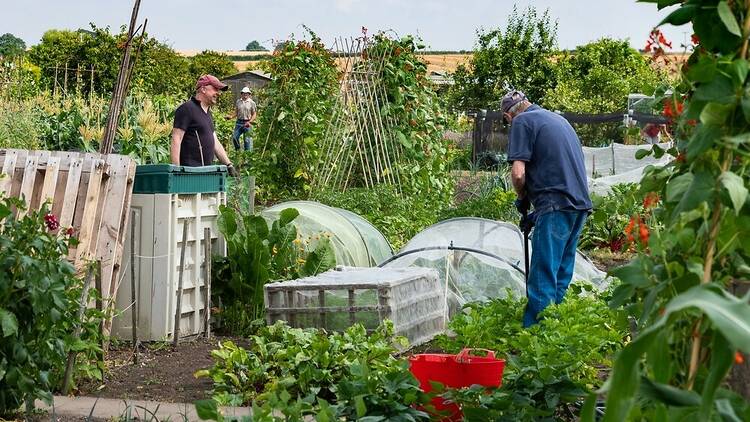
x,y
82,305
100,305
207,263
133,295
251,198
178,307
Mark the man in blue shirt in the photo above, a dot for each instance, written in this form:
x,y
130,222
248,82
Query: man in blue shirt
x,y
547,172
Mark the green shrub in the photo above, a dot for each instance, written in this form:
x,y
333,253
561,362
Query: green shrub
x,y
303,362
39,301
497,204
258,254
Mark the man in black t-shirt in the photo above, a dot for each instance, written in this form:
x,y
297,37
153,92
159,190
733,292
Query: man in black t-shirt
x,y
194,140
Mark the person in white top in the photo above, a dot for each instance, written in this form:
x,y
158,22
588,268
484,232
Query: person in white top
x,y
246,111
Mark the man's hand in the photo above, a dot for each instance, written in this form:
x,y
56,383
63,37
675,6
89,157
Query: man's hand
x,y
232,171
522,205
527,222
247,124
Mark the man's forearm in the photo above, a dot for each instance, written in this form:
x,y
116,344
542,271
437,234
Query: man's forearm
x,y
221,153
518,178
174,151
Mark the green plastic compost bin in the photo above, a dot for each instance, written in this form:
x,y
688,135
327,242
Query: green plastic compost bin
x,y
169,178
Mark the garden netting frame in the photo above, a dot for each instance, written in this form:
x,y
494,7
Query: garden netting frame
x,y
478,259
355,241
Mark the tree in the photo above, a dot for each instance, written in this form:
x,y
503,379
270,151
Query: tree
x,y
10,45
255,46
518,57
158,68
597,78
212,62
161,70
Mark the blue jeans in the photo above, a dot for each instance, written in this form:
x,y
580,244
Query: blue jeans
x,y
240,129
553,259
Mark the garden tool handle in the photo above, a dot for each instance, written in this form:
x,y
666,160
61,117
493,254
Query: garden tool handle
x,y
463,354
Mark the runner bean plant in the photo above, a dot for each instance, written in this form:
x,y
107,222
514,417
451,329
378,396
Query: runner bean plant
x,y
682,288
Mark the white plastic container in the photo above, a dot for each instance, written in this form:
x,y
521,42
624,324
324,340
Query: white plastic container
x,y
159,219
412,298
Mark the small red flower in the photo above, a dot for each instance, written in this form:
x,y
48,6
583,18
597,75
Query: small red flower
x,y
651,199
652,130
629,230
673,109
694,39
738,358
680,158
70,231
643,232
51,222
616,244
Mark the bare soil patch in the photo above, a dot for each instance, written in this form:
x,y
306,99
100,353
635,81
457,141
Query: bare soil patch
x,y
162,373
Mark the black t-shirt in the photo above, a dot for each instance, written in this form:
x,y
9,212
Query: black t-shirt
x,y
196,123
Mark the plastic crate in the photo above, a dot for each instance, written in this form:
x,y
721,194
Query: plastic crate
x,y
169,178
412,298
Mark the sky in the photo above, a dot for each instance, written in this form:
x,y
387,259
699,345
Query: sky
x,y
230,24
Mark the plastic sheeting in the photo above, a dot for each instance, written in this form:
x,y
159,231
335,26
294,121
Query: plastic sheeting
x,y
615,164
478,259
355,241
618,158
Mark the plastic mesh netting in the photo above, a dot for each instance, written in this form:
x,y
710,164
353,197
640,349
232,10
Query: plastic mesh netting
x,y
412,298
618,159
355,241
478,259
615,164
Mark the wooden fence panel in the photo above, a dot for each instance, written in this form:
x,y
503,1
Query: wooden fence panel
x,y
89,192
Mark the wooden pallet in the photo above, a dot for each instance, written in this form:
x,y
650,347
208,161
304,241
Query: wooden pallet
x,y
89,192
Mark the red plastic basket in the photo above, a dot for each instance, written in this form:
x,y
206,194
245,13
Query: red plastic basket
x,y
456,371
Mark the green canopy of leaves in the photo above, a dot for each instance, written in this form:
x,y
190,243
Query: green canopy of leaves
x,y
517,57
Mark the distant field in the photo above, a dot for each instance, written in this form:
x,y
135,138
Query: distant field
x,y
438,61
442,62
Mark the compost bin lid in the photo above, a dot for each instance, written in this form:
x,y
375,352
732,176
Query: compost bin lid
x,y
171,168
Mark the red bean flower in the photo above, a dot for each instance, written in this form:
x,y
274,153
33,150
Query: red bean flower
x,y
651,199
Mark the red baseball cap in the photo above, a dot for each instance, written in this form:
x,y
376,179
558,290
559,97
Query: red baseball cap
x,y
212,80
